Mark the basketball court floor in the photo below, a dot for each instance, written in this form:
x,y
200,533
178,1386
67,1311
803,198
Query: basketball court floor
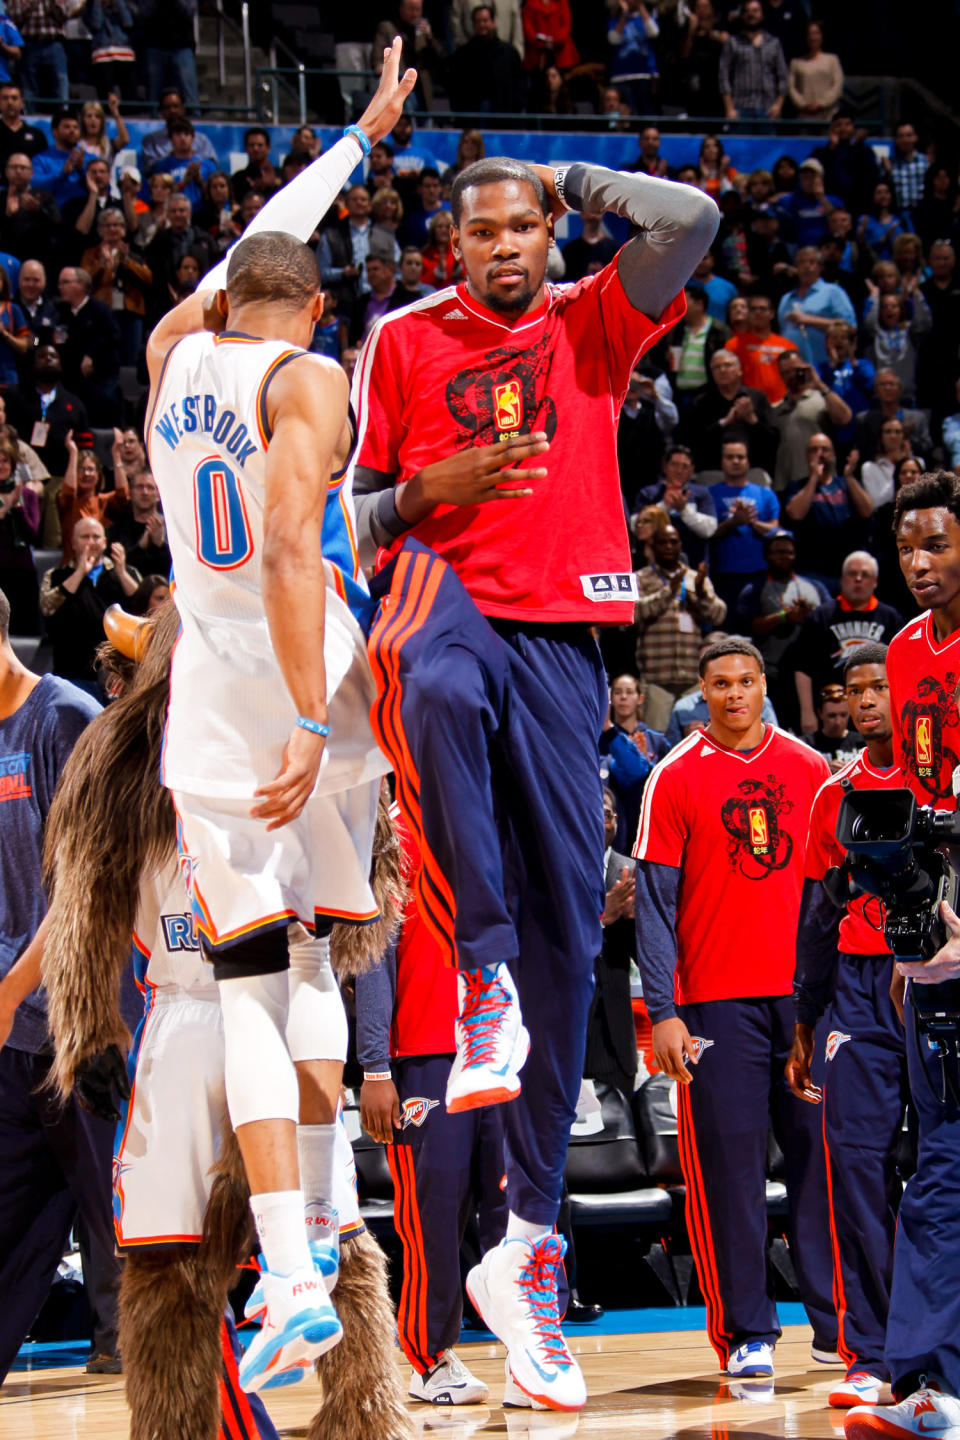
x,y
662,1384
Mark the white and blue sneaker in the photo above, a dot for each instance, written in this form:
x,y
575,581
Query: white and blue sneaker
x,y
860,1388
752,1361
298,1324
325,1251
514,1290
492,1040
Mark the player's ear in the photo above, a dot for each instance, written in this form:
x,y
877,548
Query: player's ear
x,y
455,242
317,310
223,304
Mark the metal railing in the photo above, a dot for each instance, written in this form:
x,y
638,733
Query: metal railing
x,y
226,22
270,79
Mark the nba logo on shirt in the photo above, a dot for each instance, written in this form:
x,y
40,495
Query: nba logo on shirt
x,y
759,830
923,744
507,407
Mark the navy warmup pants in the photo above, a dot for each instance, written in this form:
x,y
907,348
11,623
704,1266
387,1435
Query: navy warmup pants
x,y
738,1092
443,1166
56,1163
492,729
864,1094
923,1328
242,1416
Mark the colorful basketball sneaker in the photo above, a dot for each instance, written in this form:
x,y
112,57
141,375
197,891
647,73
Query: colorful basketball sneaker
x,y
298,1324
753,1361
326,1261
860,1388
492,1041
927,1411
514,1290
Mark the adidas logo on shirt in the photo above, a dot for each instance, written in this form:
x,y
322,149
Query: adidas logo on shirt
x,y
706,750
916,635
455,314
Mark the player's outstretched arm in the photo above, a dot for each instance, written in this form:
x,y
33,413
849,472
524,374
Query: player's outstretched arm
x,y
307,408
677,224
297,209
21,980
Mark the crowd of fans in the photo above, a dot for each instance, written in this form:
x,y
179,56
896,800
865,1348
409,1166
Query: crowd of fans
x,y
746,60
761,444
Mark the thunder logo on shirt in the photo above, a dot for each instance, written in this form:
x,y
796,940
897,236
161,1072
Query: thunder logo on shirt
x,y
14,772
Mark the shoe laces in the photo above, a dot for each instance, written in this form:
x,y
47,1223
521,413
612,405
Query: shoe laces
x,y
455,1366
538,1285
485,1004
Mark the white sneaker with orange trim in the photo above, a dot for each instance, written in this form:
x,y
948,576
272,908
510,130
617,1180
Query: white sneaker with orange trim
x,y
514,1290
492,1040
860,1388
927,1412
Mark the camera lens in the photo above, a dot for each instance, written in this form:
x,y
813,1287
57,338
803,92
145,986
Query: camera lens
x,y
860,830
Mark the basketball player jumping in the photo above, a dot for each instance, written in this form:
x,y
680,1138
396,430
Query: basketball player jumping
x,y
491,692
268,753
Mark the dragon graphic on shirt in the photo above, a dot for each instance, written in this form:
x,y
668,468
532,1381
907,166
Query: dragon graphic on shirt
x,y
758,844
923,720
498,399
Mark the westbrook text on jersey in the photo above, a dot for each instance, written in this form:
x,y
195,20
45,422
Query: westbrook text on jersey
x,y
194,414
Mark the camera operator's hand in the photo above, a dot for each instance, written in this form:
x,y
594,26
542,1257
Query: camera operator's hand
x,y
797,1068
945,965
672,1045
898,989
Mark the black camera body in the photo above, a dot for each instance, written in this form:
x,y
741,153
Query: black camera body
x,y
897,851
8,486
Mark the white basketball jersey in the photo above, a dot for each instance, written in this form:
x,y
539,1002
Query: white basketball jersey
x,y
230,711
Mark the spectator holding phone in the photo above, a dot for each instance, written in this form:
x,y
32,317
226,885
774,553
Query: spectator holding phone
x,y
807,409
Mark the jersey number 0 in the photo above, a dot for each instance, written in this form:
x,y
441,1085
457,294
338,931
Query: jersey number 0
x,y
223,531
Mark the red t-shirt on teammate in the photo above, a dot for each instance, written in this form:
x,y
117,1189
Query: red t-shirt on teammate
x,y
924,675
446,374
735,824
861,929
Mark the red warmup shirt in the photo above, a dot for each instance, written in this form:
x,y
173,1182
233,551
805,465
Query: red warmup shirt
x,y
861,929
735,824
426,1005
446,374
923,677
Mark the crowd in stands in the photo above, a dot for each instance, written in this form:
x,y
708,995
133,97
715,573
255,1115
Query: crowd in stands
x,y
761,444
748,60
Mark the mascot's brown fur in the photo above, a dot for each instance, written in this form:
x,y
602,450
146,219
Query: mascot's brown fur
x,y
112,821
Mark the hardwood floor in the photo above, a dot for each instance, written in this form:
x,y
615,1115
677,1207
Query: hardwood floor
x,y
660,1385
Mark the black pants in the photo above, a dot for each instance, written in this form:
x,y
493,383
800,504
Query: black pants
x,y
56,1165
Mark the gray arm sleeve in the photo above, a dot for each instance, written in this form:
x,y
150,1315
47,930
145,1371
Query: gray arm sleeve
x,y
377,520
676,222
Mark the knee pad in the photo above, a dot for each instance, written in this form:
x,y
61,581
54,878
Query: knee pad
x,y
316,1021
261,1081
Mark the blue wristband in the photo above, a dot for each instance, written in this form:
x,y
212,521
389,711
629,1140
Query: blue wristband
x,y
313,726
362,139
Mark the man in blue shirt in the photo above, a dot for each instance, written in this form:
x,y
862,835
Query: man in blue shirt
x,y
690,506
806,312
719,291
190,170
850,378
61,169
55,1160
746,513
806,209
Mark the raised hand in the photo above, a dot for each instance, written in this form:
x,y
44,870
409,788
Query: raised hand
x,y
384,110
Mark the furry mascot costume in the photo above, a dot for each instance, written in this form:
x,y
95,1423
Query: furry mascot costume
x,y
111,826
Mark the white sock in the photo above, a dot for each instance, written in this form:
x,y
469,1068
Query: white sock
x,y
315,1145
518,1229
279,1220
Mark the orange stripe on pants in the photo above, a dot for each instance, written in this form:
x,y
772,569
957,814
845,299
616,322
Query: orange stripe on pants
x,y
698,1227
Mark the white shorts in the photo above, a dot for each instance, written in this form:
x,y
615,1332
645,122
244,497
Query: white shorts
x,y
168,1142
243,878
